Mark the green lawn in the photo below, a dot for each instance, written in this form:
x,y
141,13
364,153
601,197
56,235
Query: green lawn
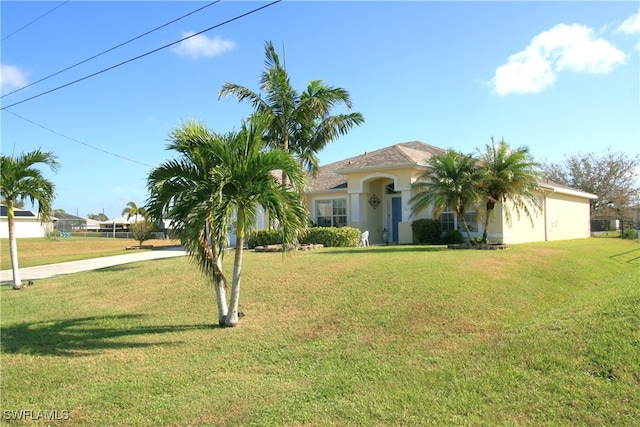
x,y
540,334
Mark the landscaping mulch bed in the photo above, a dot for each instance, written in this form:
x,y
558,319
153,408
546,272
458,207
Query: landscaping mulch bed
x,y
278,248
497,246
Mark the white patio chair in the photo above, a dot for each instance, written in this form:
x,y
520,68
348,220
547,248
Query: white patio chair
x,y
364,239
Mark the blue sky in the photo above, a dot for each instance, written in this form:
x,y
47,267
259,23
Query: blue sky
x,y
558,77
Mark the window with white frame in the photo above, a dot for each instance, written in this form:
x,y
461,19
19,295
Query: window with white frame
x,y
472,221
331,212
449,221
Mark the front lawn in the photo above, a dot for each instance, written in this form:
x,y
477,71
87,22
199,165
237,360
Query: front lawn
x,y
540,334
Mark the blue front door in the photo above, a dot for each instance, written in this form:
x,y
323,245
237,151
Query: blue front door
x,y
396,217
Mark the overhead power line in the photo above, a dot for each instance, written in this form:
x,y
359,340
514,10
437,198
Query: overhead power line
x,y
109,50
75,140
39,17
143,55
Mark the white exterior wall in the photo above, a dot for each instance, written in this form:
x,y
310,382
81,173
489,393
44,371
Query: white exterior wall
x,y
521,230
567,217
25,228
563,217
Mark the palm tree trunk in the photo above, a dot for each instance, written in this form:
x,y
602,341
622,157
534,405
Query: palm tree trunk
x,y
13,246
490,207
232,314
466,229
211,252
221,293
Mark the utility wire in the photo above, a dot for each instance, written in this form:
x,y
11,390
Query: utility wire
x,y
39,17
143,55
79,142
109,50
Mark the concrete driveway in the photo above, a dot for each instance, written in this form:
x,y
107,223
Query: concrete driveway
x,y
51,270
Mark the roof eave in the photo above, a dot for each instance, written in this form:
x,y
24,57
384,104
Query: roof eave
x,y
568,191
328,190
377,168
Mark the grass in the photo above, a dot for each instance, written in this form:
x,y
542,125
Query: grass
x,y
37,251
541,334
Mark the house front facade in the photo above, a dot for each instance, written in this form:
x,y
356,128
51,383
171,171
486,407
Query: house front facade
x,y
372,192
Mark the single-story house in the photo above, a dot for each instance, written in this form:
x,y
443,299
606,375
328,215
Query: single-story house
x,y
27,224
119,224
65,222
70,223
372,191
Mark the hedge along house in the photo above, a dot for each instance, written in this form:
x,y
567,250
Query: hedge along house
x,y
372,191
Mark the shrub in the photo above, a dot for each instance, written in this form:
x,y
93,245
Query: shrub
x,y
630,233
426,231
451,237
264,237
326,236
141,230
332,236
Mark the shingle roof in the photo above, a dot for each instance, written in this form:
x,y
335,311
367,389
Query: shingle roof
x,y
332,176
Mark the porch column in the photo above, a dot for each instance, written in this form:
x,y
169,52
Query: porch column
x,y
405,233
406,208
354,206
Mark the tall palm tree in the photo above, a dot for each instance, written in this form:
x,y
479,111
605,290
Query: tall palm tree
x,y
20,180
132,210
510,176
217,179
300,124
452,180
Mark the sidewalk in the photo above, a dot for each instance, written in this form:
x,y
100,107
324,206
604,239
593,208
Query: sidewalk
x,y
51,270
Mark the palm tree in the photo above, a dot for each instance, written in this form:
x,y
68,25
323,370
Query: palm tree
x,y
510,176
20,180
301,124
217,179
132,210
453,181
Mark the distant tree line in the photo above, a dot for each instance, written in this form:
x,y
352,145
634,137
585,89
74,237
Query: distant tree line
x,y
613,176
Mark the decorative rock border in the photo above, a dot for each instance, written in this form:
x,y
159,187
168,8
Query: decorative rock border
x,y
278,248
498,246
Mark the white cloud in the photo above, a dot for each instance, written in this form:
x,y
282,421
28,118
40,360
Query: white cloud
x,y
562,48
524,72
12,78
631,25
201,46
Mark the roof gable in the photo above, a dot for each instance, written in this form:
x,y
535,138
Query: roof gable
x,y
333,176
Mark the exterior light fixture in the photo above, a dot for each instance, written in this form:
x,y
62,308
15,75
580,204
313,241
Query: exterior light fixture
x,y
374,201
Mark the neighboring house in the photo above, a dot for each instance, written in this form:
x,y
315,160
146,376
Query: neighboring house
x,y
92,224
630,218
119,224
372,191
65,222
27,224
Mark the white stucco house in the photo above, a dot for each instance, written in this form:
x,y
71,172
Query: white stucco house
x,y
27,224
372,191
